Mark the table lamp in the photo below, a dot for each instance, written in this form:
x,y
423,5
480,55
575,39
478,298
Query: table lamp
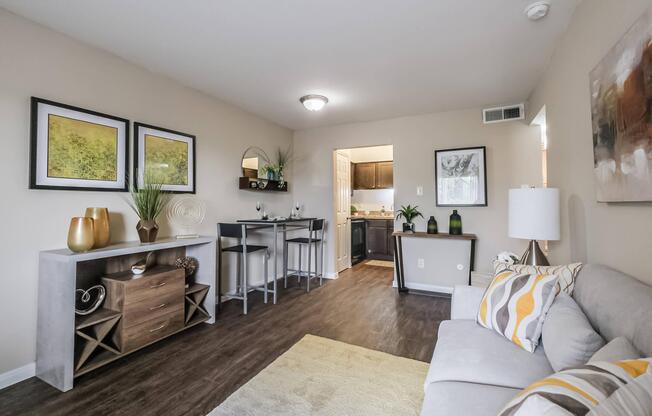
x,y
534,215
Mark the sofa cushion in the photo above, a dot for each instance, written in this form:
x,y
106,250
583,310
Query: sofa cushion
x,y
568,336
567,272
617,305
601,388
616,350
515,306
467,352
445,399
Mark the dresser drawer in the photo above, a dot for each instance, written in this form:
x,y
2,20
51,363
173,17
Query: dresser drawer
x,y
151,331
149,308
154,286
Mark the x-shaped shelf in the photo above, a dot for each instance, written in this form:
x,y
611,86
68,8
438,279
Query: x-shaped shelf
x,y
195,295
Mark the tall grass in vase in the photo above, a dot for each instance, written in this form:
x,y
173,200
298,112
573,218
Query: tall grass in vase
x,y
148,202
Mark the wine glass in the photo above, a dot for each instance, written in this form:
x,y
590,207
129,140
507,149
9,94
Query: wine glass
x,y
297,207
259,206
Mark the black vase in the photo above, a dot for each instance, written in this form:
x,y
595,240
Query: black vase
x,y
432,225
408,227
455,224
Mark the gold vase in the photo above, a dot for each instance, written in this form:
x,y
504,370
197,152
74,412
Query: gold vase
x,y
147,230
81,234
101,229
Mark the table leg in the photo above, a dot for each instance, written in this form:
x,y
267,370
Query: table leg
x,y
274,272
401,276
397,263
472,261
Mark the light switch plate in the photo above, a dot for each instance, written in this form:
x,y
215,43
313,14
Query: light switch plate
x,y
419,190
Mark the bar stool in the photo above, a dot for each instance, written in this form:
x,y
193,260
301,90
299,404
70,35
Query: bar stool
x,y
239,231
315,235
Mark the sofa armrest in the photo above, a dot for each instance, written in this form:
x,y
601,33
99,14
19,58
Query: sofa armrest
x,y
466,302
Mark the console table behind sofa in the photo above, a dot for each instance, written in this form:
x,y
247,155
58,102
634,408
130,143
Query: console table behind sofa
x,y
451,247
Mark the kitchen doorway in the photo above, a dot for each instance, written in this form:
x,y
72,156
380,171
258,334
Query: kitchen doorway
x,y
363,190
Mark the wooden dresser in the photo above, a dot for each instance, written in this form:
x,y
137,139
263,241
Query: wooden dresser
x,y
152,305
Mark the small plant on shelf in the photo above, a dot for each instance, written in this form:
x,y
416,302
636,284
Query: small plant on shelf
x,y
408,214
148,202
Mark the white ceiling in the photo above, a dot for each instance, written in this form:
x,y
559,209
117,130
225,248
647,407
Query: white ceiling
x,y
374,59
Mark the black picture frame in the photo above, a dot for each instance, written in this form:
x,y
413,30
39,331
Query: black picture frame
x,y
138,152
481,171
36,178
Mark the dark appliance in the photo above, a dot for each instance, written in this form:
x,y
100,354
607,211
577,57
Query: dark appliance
x,y
358,241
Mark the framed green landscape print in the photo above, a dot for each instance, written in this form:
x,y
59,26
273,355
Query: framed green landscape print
x,y
164,156
77,149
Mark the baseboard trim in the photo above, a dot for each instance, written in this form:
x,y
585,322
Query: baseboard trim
x,y
426,287
17,375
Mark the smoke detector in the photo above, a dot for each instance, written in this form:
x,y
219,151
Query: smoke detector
x,y
537,10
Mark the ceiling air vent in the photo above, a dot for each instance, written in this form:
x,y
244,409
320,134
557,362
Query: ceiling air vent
x,y
500,114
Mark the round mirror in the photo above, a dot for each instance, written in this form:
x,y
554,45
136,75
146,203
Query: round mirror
x,y
252,159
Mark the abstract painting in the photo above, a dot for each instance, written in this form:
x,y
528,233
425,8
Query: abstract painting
x,y
74,148
461,177
621,109
166,157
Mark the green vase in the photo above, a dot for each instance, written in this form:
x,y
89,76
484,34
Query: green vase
x,y
432,225
455,225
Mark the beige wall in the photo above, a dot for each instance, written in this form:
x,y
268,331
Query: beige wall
x,y
513,159
618,235
39,62
372,154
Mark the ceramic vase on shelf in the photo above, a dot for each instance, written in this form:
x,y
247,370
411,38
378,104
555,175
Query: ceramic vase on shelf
x,y
432,225
408,227
101,230
147,230
455,225
81,234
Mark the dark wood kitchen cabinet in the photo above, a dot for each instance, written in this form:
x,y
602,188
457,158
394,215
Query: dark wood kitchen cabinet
x,y
373,175
365,176
384,175
379,239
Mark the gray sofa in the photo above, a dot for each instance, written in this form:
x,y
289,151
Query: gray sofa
x,y
475,371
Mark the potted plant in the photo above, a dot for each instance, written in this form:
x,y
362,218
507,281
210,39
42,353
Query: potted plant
x,y
408,213
148,202
284,158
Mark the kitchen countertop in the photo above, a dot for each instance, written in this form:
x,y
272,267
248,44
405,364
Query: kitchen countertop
x,y
372,217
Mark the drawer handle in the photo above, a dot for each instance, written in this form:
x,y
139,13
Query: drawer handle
x,y
159,328
162,305
159,285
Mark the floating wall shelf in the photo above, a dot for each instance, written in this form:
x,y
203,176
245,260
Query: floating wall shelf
x,y
262,185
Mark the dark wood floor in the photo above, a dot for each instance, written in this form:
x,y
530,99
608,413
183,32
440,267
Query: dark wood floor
x,y
192,372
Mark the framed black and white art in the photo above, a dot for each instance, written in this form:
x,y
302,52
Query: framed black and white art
x,y
461,177
77,149
164,156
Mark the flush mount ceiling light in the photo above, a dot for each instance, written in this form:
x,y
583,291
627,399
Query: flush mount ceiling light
x,y
537,10
313,102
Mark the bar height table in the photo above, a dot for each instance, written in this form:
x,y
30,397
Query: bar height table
x,y
277,225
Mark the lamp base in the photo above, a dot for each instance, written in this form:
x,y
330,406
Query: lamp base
x,y
534,255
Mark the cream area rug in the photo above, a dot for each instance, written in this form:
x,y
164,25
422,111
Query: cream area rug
x,y
319,376
380,263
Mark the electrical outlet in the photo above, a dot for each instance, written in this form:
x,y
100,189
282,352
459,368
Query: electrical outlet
x,y
419,190
421,263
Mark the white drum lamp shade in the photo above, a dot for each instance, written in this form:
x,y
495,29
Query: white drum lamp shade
x,y
534,213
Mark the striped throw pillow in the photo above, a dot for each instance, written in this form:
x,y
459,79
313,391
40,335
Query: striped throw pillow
x,y
567,272
516,304
596,389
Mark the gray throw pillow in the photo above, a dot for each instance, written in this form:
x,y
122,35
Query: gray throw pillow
x,y
617,349
569,339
